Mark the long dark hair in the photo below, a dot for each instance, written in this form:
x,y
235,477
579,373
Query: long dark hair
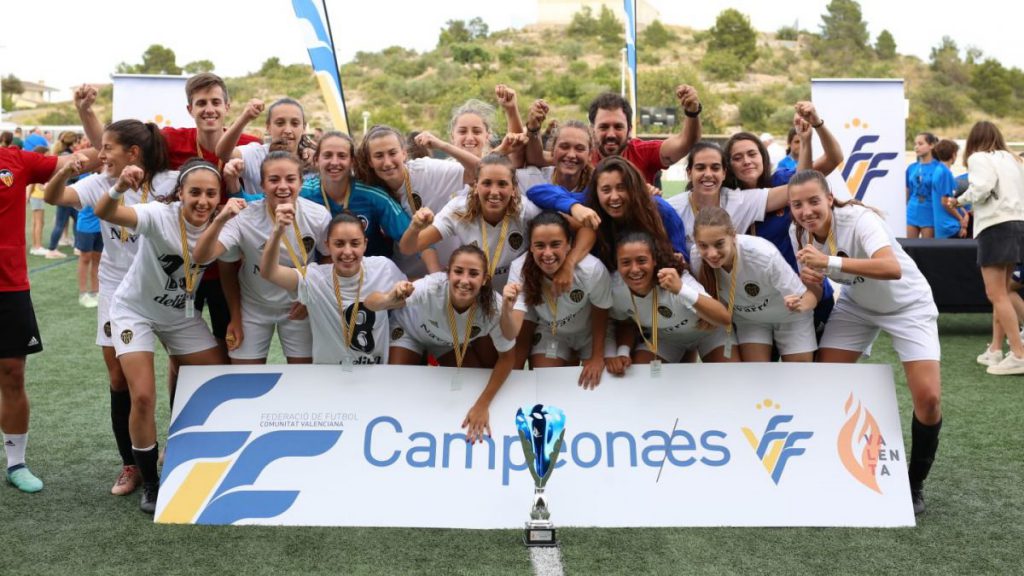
x,y
641,212
764,180
712,216
662,259
700,147
150,141
364,170
984,137
485,299
533,277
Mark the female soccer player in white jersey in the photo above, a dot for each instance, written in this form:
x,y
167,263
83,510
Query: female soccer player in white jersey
x,y
240,231
345,331
563,329
286,126
571,149
882,290
768,302
124,143
156,297
448,314
650,293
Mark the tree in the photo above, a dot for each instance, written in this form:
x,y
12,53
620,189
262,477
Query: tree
x,y
945,62
199,66
885,46
656,35
11,84
844,28
156,59
454,32
993,90
478,28
269,65
609,29
733,35
789,33
583,23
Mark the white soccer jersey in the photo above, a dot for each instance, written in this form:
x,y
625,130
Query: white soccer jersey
x,y
744,207
532,176
154,287
591,285
434,183
451,225
253,155
370,337
425,317
677,320
118,253
245,235
859,233
764,279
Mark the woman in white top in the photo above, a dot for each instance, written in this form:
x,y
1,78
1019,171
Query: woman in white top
x,y
768,303
571,150
561,329
344,330
124,143
156,297
286,126
666,306
446,314
996,190
882,290
240,232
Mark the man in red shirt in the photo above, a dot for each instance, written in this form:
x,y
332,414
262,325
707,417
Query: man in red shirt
x,y
20,335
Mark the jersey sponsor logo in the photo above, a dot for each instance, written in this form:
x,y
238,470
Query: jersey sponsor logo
x,y
776,447
474,332
396,333
751,289
417,201
308,242
115,236
753,307
665,311
515,240
7,177
576,296
126,336
536,338
106,329
170,263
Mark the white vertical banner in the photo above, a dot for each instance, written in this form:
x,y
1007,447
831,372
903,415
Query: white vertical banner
x,y
868,117
151,98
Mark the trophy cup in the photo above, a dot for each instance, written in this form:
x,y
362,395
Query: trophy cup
x,y
541,430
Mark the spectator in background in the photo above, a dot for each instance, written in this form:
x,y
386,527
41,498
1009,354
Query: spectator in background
x,y
950,221
920,175
6,139
38,206
33,140
89,242
792,152
17,138
775,152
63,147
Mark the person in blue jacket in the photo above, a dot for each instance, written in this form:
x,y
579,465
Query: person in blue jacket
x,y
950,222
920,175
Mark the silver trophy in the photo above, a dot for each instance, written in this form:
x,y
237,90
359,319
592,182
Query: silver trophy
x,y
541,431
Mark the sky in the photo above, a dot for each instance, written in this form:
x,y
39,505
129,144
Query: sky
x,y
67,42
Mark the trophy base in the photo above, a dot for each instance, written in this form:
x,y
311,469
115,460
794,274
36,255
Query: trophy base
x,y
539,536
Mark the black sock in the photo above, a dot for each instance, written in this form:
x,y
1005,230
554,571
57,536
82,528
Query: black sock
x,y
146,461
924,440
120,409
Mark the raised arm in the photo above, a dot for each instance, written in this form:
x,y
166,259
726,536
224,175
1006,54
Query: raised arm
x,y
226,145
85,97
778,197
833,155
677,146
56,191
511,319
208,247
534,146
468,160
109,207
510,104
270,269
420,234
390,300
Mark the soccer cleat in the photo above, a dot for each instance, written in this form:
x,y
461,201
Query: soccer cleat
x,y
148,501
1009,365
23,479
127,482
990,357
917,497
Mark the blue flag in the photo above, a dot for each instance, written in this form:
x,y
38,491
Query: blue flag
x,y
312,15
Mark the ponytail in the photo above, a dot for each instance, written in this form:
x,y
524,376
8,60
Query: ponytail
x,y
149,139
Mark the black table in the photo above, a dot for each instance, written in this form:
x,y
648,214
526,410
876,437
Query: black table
x,y
952,270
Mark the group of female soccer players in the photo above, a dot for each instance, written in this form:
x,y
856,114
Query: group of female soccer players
x,y
358,255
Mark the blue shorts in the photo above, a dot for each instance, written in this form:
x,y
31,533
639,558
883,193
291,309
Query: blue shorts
x,y
919,212
89,241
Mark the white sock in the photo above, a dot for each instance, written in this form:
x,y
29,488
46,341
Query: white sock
x,y
14,446
147,449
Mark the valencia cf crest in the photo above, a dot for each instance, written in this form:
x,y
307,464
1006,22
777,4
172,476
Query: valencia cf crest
x,y
397,333
126,336
7,177
106,329
751,289
474,332
308,242
417,201
576,296
536,338
665,311
515,240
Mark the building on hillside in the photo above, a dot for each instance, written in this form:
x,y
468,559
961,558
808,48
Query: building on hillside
x,y
34,94
561,11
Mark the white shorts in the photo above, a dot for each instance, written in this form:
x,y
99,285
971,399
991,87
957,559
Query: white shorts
x,y
133,333
793,337
672,349
570,346
103,327
258,331
914,330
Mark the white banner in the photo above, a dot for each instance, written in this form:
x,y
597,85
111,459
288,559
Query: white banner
x,y
703,445
152,98
868,117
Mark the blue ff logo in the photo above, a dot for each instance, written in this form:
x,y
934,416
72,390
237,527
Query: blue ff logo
x,y
864,165
776,447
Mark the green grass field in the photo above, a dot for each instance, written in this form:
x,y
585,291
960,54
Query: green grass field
x,y
974,523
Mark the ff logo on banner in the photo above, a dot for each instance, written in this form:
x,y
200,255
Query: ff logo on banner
x,y
775,447
224,464
861,446
864,163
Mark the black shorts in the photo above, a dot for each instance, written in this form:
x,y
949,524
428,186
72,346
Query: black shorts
x,y
1001,244
20,335
211,295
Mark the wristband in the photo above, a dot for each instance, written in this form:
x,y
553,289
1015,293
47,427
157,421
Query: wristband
x,y
821,122
114,194
689,296
700,108
623,351
835,265
533,131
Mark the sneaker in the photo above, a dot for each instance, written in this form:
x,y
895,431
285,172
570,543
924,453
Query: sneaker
x,y
990,357
83,300
77,252
149,495
127,482
65,242
55,255
1009,365
91,300
38,251
22,479
917,497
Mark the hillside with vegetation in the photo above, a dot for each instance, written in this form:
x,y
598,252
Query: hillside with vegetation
x,y
747,79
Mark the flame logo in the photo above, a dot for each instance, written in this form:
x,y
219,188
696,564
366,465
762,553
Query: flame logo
x,y
859,442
